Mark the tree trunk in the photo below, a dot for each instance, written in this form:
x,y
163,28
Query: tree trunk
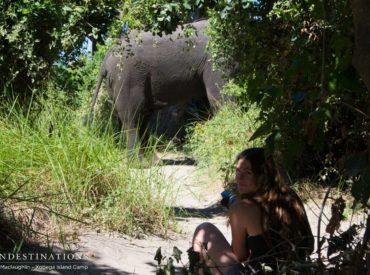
x,y
93,46
361,54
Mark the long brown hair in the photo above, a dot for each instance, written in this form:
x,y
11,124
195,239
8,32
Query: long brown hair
x,y
284,219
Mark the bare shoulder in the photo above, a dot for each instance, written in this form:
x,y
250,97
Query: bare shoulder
x,y
246,213
245,207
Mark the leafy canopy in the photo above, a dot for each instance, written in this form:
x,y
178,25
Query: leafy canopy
x,y
295,63
34,34
294,57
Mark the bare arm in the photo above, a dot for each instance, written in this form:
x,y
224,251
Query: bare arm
x,y
245,219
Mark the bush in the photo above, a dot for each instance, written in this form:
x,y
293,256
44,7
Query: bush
x,y
47,157
216,142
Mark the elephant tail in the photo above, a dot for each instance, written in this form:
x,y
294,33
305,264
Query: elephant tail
x,y
102,75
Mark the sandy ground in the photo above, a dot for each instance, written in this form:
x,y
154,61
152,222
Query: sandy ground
x,y
197,201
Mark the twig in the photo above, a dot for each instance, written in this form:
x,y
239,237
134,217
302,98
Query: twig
x,y
61,215
323,62
319,225
35,199
316,204
323,56
363,247
314,213
355,109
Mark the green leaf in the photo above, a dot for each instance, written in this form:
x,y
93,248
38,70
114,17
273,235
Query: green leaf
x,y
361,188
332,85
79,9
356,163
263,130
273,139
225,12
296,146
170,268
246,3
198,2
26,11
158,256
194,259
67,9
187,5
176,253
317,10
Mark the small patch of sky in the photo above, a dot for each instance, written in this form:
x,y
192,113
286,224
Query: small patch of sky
x,y
86,48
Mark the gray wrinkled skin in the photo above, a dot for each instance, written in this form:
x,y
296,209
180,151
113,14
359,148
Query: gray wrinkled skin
x,y
146,73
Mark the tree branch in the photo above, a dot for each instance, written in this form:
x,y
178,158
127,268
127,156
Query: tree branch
x,y
361,54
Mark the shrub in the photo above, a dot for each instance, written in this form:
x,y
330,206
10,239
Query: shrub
x,y
47,157
216,142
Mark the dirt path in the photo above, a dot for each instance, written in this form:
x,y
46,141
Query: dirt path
x,y
197,201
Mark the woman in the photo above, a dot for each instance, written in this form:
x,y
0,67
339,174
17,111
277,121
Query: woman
x,y
268,222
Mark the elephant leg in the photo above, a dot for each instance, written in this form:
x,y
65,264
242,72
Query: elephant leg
x,y
130,104
151,103
138,138
132,138
145,141
130,132
213,83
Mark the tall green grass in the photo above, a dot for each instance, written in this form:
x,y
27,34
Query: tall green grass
x,y
215,143
48,156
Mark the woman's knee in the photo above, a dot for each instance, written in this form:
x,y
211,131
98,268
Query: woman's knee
x,y
206,229
206,226
205,232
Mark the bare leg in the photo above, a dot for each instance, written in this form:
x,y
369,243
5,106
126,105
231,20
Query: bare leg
x,y
219,256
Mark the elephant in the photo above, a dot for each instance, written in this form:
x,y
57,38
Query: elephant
x,y
146,72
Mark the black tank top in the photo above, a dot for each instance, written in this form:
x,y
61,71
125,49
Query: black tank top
x,y
260,252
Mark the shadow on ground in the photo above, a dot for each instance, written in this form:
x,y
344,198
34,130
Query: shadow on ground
x,y
211,211
185,161
18,257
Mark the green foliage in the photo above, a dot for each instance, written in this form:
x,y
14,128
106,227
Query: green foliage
x,y
48,157
216,142
168,268
294,60
78,80
295,64
158,15
36,34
